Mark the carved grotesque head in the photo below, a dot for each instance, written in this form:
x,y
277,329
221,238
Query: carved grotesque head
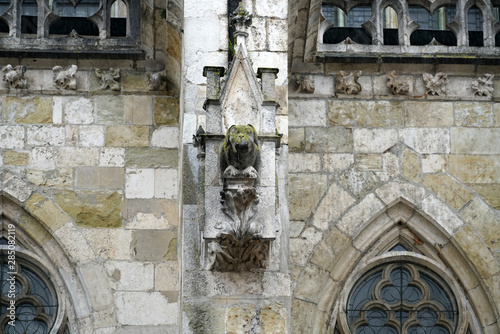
x,y
64,78
14,76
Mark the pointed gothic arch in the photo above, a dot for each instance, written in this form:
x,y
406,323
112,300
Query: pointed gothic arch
x,y
407,217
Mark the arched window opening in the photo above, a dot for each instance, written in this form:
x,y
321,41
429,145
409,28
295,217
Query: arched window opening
x,y
4,5
475,26
29,17
496,15
402,297
118,25
433,26
74,17
390,26
346,25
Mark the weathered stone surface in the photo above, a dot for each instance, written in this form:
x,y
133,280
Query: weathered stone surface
x,y
112,157
151,157
76,156
411,165
301,247
332,139
165,136
434,163
139,183
369,162
336,162
166,111
151,214
374,140
448,189
274,318
32,110
359,183
490,192
296,139
58,178
359,215
91,208
474,114
154,245
97,286
393,191
46,211
16,158
167,276
307,113
304,162
477,252
110,110
475,168
133,81
442,214
305,192
91,135
241,316
425,114
12,136
303,315
166,183
155,309
426,140
138,110
109,243
42,158
475,141
130,276
330,247
127,135
45,135
78,110
99,177
484,221
74,244
204,318
365,113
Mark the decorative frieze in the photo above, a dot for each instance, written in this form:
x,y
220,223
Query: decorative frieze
x,y
347,83
305,83
483,86
14,76
64,78
435,84
397,84
109,78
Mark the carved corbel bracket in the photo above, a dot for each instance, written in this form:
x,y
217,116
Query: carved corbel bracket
x,y
305,83
347,83
397,84
64,78
109,78
158,80
435,84
483,86
14,76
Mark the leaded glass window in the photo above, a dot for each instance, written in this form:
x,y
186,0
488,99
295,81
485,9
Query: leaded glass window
x,y
29,289
402,298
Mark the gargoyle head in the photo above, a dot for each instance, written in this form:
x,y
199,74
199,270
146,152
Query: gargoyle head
x,y
14,76
240,152
64,78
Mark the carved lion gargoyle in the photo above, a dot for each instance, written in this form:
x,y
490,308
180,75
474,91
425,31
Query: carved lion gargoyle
x,y
64,78
240,152
14,76
348,83
158,80
108,78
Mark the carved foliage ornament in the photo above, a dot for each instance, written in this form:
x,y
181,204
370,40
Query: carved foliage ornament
x,y
397,84
435,84
64,78
483,86
14,76
305,83
108,78
347,83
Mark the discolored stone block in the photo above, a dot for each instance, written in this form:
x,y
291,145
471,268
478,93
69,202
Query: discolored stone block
x,y
16,158
305,192
58,178
490,192
332,139
30,110
475,141
365,113
411,165
448,189
133,81
139,110
480,169
166,111
110,109
369,162
296,139
91,208
154,245
46,211
127,135
100,177
474,114
151,157
484,222
428,114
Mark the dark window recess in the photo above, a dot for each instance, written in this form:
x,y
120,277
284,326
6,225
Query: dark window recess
x,y
29,24
231,7
4,27
118,27
391,37
424,37
497,40
476,38
81,25
337,35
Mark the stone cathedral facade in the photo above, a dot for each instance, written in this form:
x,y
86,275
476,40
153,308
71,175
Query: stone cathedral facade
x,y
254,166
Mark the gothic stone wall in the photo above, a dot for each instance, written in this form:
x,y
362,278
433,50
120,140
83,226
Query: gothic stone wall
x,y
354,156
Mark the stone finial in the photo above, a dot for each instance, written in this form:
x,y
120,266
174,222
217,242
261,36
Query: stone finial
x,y
397,84
435,84
158,80
64,78
348,83
483,86
213,75
14,76
108,78
305,83
241,20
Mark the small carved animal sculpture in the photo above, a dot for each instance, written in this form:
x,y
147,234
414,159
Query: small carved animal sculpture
x,y
108,78
347,83
158,80
240,152
14,76
435,84
305,83
64,78
396,83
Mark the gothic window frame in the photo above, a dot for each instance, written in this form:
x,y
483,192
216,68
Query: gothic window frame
x,y
44,44
434,52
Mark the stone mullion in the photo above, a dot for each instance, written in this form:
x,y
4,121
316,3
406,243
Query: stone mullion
x,y
488,24
459,24
43,12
